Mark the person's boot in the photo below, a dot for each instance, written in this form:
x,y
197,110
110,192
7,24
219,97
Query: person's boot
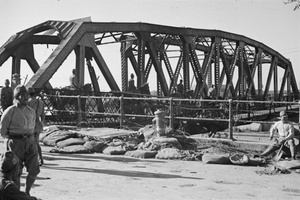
x,y
29,183
293,150
269,150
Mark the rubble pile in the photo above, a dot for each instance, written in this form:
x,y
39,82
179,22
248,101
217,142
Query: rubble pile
x,y
147,142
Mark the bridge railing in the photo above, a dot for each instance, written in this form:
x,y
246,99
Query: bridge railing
x,y
120,111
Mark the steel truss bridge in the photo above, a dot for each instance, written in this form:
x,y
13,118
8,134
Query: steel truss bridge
x,y
239,67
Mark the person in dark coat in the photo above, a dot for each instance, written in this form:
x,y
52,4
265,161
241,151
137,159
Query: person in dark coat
x,y
6,95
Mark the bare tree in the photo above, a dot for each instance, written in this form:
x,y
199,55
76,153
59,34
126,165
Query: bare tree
x,y
297,3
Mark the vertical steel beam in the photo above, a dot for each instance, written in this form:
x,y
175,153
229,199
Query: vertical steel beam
x,y
275,82
80,58
186,69
159,89
288,85
241,84
259,78
217,41
141,60
124,67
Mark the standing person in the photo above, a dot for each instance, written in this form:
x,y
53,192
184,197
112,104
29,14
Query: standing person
x,y
285,130
38,106
6,95
73,80
131,86
17,127
212,92
180,87
9,164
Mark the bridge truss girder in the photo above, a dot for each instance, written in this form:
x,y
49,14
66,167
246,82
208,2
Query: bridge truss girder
x,y
233,63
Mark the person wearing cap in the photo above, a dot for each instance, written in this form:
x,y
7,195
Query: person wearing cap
x,y
6,95
38,106
285,130
17,127
9,164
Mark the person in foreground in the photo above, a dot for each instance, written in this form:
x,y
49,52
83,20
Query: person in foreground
x,y
286,137
9,164
17,127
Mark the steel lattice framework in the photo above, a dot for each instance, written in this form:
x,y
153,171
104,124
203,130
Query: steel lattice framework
x,y
233,63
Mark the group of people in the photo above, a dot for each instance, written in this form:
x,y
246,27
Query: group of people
x,y
22,122
20,126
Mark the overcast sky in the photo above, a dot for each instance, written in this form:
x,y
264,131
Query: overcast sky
x,y
267,21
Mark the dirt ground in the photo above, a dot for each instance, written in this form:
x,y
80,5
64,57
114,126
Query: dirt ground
x,y
99,176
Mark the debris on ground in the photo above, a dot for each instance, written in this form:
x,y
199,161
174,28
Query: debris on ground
x,y
147,143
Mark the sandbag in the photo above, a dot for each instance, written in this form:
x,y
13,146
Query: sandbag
x,y
95,146
53,138
70,141
141,154
288,164
212,158
71,149
114,150
167,142
169,153
47,132
116,142
253,127
239,159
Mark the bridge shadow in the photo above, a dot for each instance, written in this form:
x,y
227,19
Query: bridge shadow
x,y
136,174
97,157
